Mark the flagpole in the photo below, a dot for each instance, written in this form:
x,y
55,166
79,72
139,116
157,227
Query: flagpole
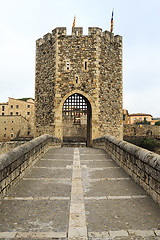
x,y
112,20
74,21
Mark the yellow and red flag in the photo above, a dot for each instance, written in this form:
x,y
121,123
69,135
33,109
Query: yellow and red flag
x,y
112,22
74,21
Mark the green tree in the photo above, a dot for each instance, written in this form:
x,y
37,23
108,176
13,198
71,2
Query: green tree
x,y
157,123
148,143
145,122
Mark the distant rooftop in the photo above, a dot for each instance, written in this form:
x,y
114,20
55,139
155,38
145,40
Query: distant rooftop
x,y
31,100
156,119
140,114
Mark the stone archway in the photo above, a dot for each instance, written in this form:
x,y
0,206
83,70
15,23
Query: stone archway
x,y
77,119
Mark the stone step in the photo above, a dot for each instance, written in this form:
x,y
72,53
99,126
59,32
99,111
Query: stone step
x,y
74,144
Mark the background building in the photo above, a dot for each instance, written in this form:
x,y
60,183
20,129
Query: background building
x,y
17,119
155,120
125,116
139,117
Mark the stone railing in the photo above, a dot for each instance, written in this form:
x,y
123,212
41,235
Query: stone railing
x,y
142,165
7,146
14,163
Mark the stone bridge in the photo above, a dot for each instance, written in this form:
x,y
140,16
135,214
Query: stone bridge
x,y
110,191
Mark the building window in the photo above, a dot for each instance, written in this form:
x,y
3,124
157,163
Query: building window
x,y
28,106
12,121
28,133
11,113
3,107
5,128
16,113
11,134
17,106
12,128
76,79
4,135
2,113
12,106
85,65
28,113
67,65
4,121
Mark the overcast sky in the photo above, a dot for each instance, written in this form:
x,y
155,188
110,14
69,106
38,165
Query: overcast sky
x,y
22,22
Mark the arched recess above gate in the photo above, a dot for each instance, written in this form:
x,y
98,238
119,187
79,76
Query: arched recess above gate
x,y
90,100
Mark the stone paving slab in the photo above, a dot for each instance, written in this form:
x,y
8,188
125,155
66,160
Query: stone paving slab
x,y
97,157
34,215
122,214
119,235
49,173
53,163
42,188
59,157
110,173
60,153
112,188
103,163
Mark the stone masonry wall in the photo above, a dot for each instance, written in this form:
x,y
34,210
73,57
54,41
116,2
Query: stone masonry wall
x,y
76,132
142,165
141,131
14,163
89,65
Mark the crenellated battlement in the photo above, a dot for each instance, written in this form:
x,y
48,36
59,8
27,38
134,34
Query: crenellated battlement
x,y
78,32
59,31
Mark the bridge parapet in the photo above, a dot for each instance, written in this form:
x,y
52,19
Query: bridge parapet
x,y
14,163
142,165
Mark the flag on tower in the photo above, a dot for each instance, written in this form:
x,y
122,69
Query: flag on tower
x,y
74,21
112,22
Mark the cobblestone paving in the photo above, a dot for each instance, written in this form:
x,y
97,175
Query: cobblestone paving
x,y
80,191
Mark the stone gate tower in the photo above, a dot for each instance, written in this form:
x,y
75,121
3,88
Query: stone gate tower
x,y
78,85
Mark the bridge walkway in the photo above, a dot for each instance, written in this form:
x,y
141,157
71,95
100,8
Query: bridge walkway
x,y
78,193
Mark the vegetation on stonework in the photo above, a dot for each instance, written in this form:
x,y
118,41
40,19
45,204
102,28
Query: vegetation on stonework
x,y
24,99
145,122
157,123
150,144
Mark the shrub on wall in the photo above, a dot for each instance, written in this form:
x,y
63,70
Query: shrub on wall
x,y
145,122
157,123
148,143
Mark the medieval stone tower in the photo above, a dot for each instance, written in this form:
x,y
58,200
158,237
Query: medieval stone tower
x,y
78,85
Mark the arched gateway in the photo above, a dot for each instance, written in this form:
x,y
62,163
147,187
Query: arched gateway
x,y
78,85
77,119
